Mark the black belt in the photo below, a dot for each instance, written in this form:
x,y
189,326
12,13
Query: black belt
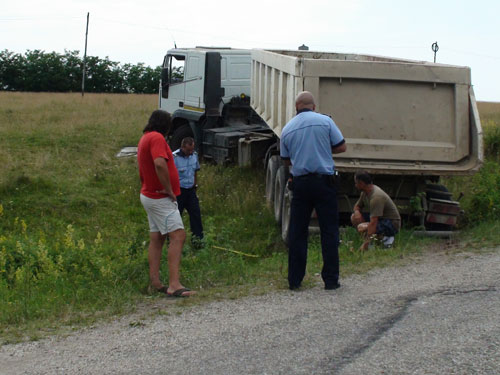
x,y
312,175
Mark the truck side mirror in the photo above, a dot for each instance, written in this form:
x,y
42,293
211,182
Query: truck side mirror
x,y
164,83
164,75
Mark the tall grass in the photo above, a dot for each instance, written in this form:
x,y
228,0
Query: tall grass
x,y
71,231
481,192
73,234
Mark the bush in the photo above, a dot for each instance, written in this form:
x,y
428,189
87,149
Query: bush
x,y
491,138
42,276
483,199
39,71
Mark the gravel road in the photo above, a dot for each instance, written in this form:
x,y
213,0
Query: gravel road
x,y
439,315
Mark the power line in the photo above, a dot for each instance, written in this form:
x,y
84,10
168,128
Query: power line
x,y
39,18
257,43
474,54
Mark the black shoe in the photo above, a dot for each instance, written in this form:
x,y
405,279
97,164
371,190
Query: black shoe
x,y
197,243
332,286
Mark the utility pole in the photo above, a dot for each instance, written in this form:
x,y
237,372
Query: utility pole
x,y
435,48
85,55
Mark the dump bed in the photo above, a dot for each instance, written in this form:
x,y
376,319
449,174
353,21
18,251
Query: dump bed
x,y
400,116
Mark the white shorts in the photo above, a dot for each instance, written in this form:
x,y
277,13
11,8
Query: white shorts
x,y
163,214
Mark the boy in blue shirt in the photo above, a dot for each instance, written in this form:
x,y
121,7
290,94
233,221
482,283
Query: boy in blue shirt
x,y
186,161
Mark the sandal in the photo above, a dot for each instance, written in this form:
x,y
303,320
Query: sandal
x,y
179,293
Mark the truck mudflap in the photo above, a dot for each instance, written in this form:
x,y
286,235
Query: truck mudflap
x,y
443,212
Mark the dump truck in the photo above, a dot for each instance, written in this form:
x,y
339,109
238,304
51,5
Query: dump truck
x,y
408,123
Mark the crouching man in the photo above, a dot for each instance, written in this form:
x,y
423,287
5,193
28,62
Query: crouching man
x,y
383,219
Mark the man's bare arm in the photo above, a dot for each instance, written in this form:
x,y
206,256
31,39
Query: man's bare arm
x,y
371,230
161,169
339,149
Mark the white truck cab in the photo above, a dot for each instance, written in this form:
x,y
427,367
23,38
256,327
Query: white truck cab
x,y
187,93
207,92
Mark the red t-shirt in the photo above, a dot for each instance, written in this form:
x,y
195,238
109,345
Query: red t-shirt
x,y
152,146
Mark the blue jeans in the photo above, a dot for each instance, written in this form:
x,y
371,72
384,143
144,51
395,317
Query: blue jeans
x,y
384,226
313,192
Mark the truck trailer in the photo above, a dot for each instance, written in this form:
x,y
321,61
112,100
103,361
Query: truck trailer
x,y
406,122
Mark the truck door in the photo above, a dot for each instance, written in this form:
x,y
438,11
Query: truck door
x,y
194,82
173,92
185,83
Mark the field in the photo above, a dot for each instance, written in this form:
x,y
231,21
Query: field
x,y
73,235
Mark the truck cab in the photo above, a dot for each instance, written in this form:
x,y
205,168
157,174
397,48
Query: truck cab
x,y
206,88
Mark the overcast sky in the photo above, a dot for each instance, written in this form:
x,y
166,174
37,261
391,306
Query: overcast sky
x,y
467,32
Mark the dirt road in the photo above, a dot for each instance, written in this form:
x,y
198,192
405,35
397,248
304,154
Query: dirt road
x,y
438,315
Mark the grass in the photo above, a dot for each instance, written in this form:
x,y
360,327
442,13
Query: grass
x,y
490,121
73,235
481,193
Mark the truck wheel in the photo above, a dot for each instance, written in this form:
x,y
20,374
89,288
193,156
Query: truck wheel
x,y
285,220
272,167
180,133
279,191
438,192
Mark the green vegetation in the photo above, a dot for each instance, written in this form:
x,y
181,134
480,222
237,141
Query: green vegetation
x,y
54,72
73,234
481,192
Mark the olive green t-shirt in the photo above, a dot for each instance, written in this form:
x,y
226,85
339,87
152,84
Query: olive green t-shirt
x,y
380,205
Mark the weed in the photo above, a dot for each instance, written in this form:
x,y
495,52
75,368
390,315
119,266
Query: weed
x,y
481,193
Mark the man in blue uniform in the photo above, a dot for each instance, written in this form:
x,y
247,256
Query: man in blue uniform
x,y
307,143
186,161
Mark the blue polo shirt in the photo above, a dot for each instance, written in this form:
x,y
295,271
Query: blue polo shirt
x,y
307,141
187,165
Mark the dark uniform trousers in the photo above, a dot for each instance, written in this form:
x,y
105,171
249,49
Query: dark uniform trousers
x,y
189,200
318,192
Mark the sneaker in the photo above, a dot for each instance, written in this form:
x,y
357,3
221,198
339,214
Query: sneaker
x,y
388,241
197,242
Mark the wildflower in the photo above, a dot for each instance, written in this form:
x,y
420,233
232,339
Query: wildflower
x,y
68,237
81,244
98,239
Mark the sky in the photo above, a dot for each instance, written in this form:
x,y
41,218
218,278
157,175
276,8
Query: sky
x,y
126,31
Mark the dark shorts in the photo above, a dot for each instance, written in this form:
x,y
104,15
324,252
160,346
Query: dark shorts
x,y
384,226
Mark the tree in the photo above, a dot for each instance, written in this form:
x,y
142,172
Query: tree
x,y
41,71
11,71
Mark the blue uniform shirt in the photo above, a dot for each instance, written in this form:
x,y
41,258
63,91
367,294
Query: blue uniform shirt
x,y
307,140
187,165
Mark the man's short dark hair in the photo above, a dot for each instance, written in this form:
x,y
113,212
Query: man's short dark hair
x,y
187,141
363,176
159,121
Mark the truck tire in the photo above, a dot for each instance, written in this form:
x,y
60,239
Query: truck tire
x,y
285,219
272,167
438,192
180,133
279,191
